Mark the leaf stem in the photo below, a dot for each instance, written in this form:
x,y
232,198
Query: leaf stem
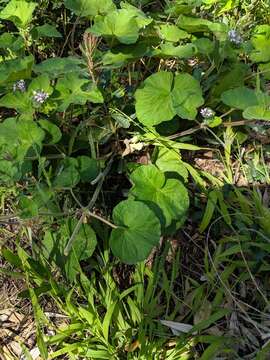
x,y
102,220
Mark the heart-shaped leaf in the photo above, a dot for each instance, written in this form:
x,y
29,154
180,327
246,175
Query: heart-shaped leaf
x,y
257,113
171,196
160,100
154,101
137,233
75,90
42,82
240,98
124,24
21,102
89,8
55,67
186,96
16,69
19,12
45,30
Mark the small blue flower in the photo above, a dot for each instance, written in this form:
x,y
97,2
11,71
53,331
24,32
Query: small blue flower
x,y
40,96
19,85
235,37
207,113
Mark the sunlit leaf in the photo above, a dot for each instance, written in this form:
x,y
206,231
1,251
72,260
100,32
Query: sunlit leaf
x,y
138,231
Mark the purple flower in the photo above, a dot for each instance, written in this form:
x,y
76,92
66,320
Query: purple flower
x,y
235,37
19,85
40,96
207,113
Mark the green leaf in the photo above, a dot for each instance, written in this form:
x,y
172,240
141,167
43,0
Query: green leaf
x,y
28,208
257,113
209,211
265,70
171,196
232,77
21,102
122,54
16,69
153,101
17,137
192,24
170,32
20,12
9,171
137,233
42,82
55,67
54,243
157,101
122,121
29,133
169,160
240,98
204,46
45,30
181,51
11,42
186,96
124,24
75,90
12,258
85,241
53,131
88,168
261,44
89,8
68,175
213,122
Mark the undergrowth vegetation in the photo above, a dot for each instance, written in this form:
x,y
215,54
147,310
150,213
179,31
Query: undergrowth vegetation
x,y
134,173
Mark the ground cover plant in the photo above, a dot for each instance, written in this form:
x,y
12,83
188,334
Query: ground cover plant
x,y
134,165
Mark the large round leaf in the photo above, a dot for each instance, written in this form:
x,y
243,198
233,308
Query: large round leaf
x,y
124,24
89,7
20,12
153,101
149,184
186,96
240,98
159,101
257,113
137,233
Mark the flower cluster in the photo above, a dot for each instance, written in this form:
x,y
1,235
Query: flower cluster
x,y
19,85
40,96
207,113
235,37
